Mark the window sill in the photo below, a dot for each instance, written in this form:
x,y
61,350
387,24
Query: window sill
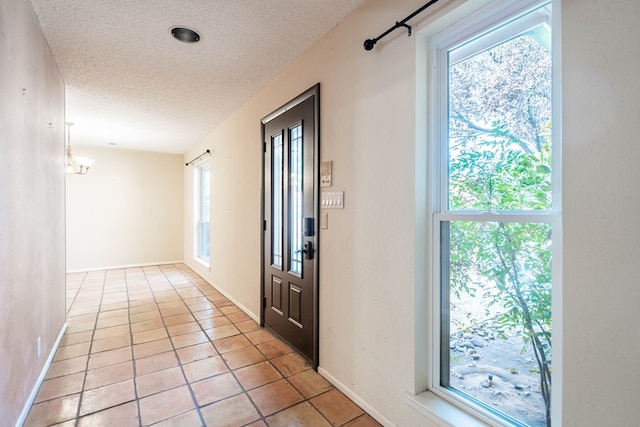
x,y
203,262
439,411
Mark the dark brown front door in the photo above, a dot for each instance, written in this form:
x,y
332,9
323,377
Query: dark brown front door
x,y
290,256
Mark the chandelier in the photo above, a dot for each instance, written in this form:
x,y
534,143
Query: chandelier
x,y
75,165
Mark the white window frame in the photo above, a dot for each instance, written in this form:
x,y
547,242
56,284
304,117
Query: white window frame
x,y
197,211
428,397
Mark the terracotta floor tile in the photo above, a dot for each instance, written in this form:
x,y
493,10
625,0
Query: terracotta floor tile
x,y
235,411
157,362
188,419
238,317
230,309
71,351
260,336
303,414
247,326
184,328
148,336
77,338
142,306
151,348
222,332
53,411
225,345
59,387
168,312
204,368
275,396
179,319
244,357
110,357
310,383
273,349
364,421
147,315
290,364
256,375
189,339
336,407
158,381
206,314
106,313
258,423
114,306
114,331
196,352
147,325
67,366
217,388
110,343
200,306
80,327
108,375
112,321
161,406
214,322
121,416
84,318
106,397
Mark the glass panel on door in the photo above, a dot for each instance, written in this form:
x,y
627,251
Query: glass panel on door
x,y
276,200
296,189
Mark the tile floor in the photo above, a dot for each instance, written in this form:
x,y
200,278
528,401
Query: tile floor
x,y
159,346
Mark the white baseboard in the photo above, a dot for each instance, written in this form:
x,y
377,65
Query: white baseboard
x,y
357,399
43,373
118,267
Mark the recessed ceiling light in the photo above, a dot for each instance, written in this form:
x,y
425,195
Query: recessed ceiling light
x,y
185,35
113,144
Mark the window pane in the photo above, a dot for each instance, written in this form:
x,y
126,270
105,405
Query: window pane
x,y
276,200
496,315
295,199
205,194
499,146
204,240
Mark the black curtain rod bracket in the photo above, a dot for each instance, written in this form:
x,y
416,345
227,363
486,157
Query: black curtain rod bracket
x,y
198,158
370,43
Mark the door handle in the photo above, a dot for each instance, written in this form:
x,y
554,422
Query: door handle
x,y
308,250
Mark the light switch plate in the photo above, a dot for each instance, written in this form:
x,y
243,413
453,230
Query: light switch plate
x,y
332,200
324,221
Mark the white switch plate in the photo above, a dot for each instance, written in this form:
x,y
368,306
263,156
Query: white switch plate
x,y
324,221
332,200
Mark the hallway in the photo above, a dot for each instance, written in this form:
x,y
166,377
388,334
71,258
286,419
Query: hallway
x,y
160,346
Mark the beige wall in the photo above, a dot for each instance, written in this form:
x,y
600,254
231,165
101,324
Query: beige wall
x,y
601,60
32,276
126,211
370,275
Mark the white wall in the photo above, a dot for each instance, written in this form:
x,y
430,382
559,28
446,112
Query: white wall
x,y
126,211
601,65
32,276
368,254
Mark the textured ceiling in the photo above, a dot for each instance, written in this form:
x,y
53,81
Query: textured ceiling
x,y
130,83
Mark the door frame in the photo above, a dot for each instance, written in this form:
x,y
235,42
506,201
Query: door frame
x,y
314,92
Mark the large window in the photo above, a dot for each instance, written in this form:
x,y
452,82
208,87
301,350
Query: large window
x,y
202,181
496,213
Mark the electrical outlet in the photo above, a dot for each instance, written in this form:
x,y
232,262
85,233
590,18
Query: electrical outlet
x,y
145,254
38,348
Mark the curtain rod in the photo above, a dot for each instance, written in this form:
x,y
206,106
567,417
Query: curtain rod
x,y
198,158
370,43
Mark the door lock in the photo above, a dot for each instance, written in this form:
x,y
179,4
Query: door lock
x,y
308,250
